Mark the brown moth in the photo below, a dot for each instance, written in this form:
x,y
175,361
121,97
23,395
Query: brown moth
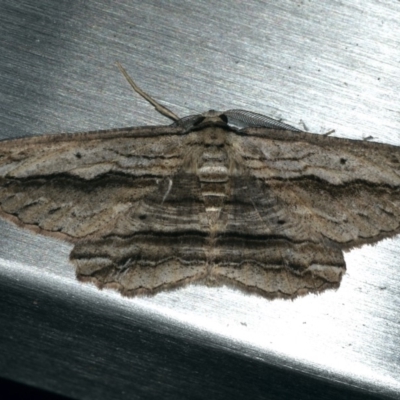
x,y
229,197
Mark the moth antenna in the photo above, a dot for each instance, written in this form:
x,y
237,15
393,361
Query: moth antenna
x,y
329,132
160,108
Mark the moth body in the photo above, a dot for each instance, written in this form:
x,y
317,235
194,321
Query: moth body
x,y
231,197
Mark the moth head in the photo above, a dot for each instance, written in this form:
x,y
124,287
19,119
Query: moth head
x,y
207,119
211,117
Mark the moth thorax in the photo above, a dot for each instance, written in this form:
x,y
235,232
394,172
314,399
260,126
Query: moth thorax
x,y
214,136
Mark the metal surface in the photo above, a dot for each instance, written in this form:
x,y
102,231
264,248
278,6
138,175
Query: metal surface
x,y
320,64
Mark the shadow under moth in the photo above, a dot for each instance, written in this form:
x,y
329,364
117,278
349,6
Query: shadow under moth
x,y
231,197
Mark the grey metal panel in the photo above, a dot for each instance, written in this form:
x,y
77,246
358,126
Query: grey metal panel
x,y
325,64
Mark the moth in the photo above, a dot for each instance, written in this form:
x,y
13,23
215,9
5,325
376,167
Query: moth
x,y
222,198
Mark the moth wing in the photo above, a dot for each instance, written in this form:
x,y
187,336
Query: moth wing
x,y
77,185
340,191
159,244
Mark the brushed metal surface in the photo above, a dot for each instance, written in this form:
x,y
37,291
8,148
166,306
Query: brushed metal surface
x,y
319,64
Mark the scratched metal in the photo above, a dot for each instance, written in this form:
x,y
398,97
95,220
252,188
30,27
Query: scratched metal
x,y
317,64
